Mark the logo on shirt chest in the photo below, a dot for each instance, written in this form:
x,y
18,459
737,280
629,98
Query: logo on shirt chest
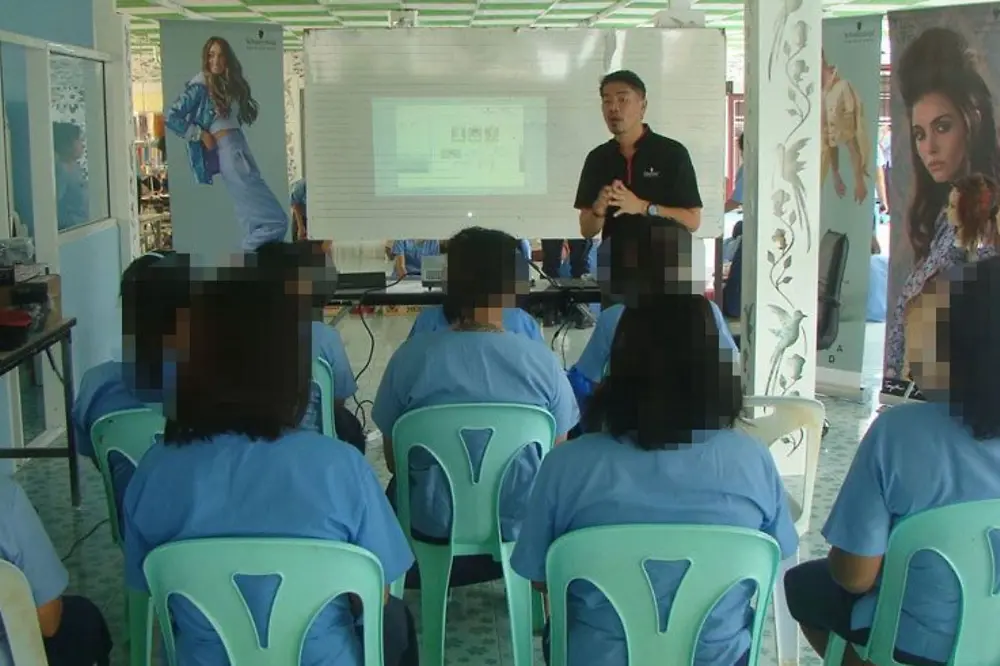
x,y
650,173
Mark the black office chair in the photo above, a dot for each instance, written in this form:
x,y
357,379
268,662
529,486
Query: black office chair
x,y
833,249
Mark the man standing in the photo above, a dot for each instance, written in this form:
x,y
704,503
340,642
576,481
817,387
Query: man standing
x,y
638,171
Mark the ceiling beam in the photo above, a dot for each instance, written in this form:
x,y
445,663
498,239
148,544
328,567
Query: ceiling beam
x,y
174,6
545,12
605,13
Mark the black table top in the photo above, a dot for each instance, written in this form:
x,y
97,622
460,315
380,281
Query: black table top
x,y
53,332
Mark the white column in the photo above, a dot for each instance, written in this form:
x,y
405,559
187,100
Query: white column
x,y
782,197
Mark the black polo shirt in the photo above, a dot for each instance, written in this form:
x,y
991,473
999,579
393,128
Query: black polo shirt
x,y
659,172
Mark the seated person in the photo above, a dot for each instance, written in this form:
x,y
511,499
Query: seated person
x,y
73,629
664,256
914,457
301,260
235,463
154,290
300,228
661,450
408,255
476,361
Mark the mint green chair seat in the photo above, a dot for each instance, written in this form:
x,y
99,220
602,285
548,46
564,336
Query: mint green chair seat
x,y
312,572
960,535
322,376
130,433
475,506
612,559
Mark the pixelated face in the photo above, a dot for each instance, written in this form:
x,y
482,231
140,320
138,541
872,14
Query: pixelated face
x,y
926,348
939,135
623,107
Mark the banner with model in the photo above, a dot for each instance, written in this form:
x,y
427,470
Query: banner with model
x,y
223,88
849,117
946,165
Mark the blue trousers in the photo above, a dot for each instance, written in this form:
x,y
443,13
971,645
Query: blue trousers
x,y
258,211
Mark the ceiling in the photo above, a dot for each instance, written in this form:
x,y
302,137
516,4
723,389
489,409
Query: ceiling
x,y
297,16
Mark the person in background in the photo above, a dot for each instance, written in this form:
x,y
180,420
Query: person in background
x,y
300,227
476,361
953,357
577,252
73,630
72,196
407,255
155,294
884,167
661,450
308,261
736,197
651,254
235,463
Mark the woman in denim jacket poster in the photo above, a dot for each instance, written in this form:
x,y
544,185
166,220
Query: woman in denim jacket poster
x,y
210,114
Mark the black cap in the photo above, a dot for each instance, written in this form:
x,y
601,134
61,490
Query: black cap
x,y
628,77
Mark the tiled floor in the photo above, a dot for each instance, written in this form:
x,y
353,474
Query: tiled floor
x,y
477,627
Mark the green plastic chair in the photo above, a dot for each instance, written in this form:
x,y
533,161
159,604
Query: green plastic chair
x,y
312,572
619,573
475,513
130,433
322,376
959,533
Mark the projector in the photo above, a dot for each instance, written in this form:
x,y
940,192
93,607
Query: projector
x,y
432,270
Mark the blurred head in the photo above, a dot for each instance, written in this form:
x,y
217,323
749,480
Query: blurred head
x,y
67,141
648,256
951,333
248,371
306,265
155,293
667,378
952,128
483,274
623,101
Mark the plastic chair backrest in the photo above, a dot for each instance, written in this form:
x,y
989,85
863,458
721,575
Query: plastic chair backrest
x,y
20,618
959,534
129,432
439,430
788,416
312,573
619,573
322,376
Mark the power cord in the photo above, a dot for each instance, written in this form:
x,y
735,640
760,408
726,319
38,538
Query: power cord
x,y
79,542
364,322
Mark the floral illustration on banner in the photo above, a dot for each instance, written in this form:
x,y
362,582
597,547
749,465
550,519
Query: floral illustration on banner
x,y
793,346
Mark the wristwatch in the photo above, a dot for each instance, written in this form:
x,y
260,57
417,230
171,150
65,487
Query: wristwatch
x,y
653,211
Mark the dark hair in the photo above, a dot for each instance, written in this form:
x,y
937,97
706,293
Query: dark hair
x,y
627,77
224,89
153,288
740,142
248,371
969,333
939,61
303,260
650,255
667,377
64,135
482,268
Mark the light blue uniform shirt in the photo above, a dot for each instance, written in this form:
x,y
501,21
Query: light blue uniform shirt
x,y
298,195
596,354
304,485
515,320
455,367
413,252
329,346
737,194
25,544
913,458
72,196
726,478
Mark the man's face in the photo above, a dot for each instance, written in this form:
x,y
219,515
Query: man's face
x,y
623,107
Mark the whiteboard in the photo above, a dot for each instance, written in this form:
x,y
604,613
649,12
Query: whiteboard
x,y
419,133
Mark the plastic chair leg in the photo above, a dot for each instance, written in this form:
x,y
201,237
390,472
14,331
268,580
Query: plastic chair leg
x,y
537,612
435,571
786,631
835,647
398,587
519,607
140,627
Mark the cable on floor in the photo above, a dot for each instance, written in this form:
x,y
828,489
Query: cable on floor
x,y
79,542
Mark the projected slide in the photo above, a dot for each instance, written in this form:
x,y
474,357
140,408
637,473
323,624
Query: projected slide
x,y
459,146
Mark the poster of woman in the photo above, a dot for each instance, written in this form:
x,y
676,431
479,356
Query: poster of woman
x,y
224,88
945,157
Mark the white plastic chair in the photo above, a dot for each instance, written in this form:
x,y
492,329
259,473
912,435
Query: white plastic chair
x,y
20,618
788,415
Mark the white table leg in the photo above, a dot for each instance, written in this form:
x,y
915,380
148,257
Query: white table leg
x,y
786,631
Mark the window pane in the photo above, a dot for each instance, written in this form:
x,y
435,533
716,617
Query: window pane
x,y
79,140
